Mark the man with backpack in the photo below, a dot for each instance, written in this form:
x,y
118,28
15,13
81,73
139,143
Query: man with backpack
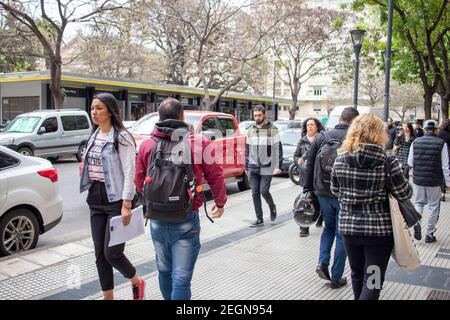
x,y
169,169
321,156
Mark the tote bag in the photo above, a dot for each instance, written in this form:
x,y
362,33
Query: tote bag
x,y
405,252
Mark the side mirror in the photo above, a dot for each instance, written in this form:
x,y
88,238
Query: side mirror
x,y
41,130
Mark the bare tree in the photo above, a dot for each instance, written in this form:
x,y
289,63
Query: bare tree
x,y
170,36
65,12
114,46
219,52
19,48
405,98
302,44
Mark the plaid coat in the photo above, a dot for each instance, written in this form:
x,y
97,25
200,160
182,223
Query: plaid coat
x,y
403,151
358,180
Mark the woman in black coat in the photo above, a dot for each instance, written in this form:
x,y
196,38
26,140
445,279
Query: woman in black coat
x,y
310,128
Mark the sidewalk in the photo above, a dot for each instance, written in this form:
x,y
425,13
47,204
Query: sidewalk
x,y
236,262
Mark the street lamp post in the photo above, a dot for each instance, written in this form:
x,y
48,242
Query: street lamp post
x,y
387,62
357,39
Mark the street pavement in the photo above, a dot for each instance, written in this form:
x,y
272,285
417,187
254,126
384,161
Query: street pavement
x,y
235,262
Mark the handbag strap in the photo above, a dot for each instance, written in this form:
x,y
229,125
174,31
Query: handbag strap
x,y
387,171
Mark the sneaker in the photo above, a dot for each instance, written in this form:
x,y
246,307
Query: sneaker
x,y
322,271
138,290
304,232
273,214
336,284
257,223
417,232
430,239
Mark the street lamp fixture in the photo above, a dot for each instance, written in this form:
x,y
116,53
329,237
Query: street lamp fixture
x,y
357,39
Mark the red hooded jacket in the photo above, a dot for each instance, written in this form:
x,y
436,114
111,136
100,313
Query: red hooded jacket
x,y
213,173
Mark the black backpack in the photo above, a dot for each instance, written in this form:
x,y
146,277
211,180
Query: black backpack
x,y
323,165
169,187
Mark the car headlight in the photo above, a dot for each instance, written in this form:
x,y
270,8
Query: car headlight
x,y
289,159
6,141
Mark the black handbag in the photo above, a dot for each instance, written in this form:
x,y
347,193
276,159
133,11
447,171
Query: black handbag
x,y
407,209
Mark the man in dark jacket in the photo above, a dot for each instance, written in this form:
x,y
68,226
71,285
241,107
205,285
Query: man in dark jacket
x,y
444,133
329,204
419,130
264,158
177,244
428,157
392,133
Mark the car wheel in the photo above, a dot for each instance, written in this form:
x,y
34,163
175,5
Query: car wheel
x,y
244,184
26,151
19,231
80,152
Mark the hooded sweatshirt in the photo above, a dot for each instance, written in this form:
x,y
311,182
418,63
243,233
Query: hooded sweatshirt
x,y
358,180
213,173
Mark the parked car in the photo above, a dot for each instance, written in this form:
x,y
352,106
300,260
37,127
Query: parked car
x,y
48,133
221,128
289,139
128,124
288,124
245,125
30,203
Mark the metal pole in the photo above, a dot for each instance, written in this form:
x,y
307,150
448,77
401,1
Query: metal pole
x,y
387,61
273,90
355,93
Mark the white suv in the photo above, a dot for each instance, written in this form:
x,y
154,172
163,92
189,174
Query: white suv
x,y
48,133
30,203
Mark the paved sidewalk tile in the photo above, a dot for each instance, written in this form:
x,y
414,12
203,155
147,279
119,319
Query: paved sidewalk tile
x,y
71,250
17,266
45,257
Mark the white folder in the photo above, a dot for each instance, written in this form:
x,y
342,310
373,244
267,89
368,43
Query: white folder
x,y
120,234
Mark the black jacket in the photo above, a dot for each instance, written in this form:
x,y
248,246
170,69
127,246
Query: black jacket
x,y
427,161
445,134
392,133
301,151
339,132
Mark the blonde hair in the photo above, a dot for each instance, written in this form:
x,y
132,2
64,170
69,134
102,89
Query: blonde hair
x,y
366,128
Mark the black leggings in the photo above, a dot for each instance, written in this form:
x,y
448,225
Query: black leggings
x,y
368,258
106,257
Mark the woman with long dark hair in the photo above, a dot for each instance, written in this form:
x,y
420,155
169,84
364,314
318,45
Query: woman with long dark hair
x,y
108,173
402,144
310,128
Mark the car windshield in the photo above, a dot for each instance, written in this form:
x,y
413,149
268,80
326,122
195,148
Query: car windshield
x,y
22,125
289,138
144,126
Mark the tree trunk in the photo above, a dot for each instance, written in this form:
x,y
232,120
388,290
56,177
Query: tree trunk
x,y
55,83
207,103
292,108
428,98
444,105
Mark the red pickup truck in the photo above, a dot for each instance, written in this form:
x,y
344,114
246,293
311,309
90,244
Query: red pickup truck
x,y
220,128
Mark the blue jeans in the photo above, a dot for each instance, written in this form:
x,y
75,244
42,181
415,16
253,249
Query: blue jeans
x,y
329,207
177,246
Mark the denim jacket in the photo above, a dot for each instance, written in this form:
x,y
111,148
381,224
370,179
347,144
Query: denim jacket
x,y
119,168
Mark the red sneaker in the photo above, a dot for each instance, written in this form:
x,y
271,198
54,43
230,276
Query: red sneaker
x,y
138,290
